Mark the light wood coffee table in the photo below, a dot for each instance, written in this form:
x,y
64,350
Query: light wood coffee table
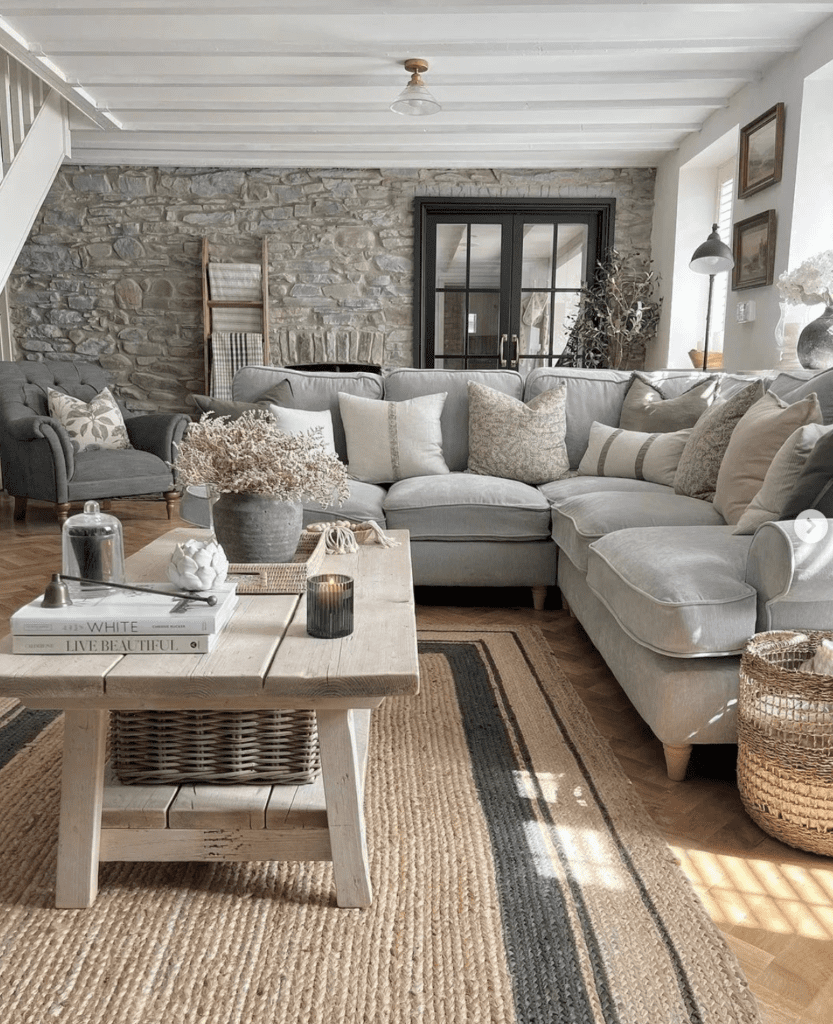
x,y
264,659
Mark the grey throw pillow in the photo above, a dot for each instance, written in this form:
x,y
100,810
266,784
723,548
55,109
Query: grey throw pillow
x,y
648,410
278,394
699,464
518,441
814,487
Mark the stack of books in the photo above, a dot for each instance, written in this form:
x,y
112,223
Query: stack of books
x,y
123,622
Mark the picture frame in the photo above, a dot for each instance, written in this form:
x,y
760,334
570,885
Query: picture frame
x,y
761,154
753,247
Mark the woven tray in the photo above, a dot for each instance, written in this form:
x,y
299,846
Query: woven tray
x,y
155,747
785,741
282,577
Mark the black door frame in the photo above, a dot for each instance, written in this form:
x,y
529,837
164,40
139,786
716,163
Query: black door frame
x,y
426,206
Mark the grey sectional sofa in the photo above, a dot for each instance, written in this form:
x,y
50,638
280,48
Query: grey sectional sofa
x,y
663,587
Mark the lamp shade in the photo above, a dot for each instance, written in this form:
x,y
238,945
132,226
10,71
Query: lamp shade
x,y
713,256
415,99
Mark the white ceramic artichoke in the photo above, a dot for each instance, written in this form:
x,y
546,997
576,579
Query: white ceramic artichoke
x,y
198,565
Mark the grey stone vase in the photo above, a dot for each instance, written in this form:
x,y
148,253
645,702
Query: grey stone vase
x,y
815,343
257,527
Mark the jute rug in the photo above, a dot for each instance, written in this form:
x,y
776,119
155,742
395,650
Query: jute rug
x,y
517,878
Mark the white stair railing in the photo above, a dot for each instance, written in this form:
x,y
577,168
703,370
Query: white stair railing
x,y
21,96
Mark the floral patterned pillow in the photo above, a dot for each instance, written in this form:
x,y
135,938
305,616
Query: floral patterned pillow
x,y
98,423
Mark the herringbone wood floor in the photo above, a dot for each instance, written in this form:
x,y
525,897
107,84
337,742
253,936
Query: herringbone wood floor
x,y
775,904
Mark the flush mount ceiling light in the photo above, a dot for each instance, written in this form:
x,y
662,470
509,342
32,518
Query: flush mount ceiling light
x,y
415,99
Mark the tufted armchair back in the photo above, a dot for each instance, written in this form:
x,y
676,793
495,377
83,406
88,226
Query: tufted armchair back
x,y
23,386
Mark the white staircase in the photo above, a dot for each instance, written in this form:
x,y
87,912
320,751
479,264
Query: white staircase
x,y
34,140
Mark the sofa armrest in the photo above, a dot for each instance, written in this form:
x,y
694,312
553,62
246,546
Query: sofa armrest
x,y
157,433
44,428
793,577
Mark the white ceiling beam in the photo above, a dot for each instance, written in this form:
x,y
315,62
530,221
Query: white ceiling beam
x,y
210,50
166,8
212,105
275,83
17,48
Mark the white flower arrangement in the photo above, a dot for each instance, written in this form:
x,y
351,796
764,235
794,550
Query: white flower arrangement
x,y
250,455
810,283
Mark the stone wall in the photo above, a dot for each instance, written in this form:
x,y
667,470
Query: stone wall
x,y
111,270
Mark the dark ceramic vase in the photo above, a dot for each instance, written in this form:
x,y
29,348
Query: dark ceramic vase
x,y
815,343
257,527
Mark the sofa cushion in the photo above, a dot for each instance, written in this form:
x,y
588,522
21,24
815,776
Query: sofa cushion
x,y
402,384
579,521
569,487
278,394
781,477
649,409
363,505
678,591
468,507
633,454
592,396
517,440
309,391
389,441
794,386
754,443
700,462
814,486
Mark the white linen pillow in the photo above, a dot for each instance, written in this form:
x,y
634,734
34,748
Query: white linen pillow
x,y
781,477
98,423
388,441
632,454
298,421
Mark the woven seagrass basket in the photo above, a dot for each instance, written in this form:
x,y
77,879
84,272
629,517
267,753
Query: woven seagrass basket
x,y
785,740
155,747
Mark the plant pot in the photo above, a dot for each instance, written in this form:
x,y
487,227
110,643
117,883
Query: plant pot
x,y
815,343
257,527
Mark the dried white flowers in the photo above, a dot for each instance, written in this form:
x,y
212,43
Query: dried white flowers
x,y
250,455
810,283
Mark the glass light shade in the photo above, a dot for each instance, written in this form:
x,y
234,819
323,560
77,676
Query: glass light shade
x,y
713,256
415,100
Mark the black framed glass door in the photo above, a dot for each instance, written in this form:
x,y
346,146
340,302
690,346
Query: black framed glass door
x,y
497,281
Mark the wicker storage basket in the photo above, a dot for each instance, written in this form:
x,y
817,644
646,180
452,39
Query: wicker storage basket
x,y
155,747
785,741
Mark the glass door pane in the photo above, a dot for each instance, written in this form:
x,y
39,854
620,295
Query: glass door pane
x,y
553,264
467,294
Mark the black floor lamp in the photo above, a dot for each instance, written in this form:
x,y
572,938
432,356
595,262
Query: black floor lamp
x,y
712,257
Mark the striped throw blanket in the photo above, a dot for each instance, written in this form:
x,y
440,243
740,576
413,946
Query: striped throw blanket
x,y
229,351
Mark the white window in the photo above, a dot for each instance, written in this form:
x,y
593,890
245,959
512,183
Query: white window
x,y
723,218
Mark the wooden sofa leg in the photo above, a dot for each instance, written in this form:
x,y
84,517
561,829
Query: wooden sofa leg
x,y
539,596
676,761
171,498
20,507
62,511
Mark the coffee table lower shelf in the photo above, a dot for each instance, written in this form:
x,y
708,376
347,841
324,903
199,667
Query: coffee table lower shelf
x,y
221,823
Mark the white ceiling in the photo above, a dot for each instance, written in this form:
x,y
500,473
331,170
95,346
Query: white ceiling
x,y
308,84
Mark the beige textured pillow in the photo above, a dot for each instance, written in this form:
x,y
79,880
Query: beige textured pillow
x,y
781,478
518,441
699,465
633,454
754,443
98,423
647,409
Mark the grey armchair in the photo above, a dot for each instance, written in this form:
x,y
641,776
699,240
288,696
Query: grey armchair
x,y
37,455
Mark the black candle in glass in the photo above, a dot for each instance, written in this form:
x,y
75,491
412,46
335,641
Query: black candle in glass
x,y
330,606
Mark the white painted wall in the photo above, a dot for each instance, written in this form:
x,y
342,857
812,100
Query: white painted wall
x,y
681,222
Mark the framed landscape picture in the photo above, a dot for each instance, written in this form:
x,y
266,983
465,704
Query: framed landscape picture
x,y
761,152
753,246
